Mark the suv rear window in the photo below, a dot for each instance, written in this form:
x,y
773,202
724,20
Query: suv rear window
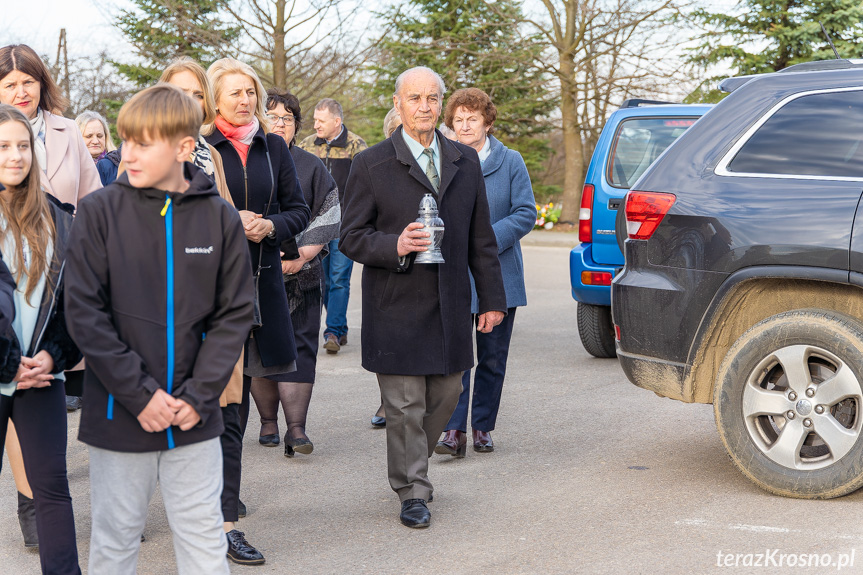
x,y
814,135
638,142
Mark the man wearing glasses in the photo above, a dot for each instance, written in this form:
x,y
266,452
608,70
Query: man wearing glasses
x,y
336,146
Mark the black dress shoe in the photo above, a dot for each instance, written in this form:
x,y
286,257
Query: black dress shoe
x,y
241,509
239,550
271,440
378,421
301,445
27,520
73,403
415,513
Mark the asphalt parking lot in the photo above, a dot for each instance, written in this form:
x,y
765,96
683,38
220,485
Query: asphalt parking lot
x,y
589,475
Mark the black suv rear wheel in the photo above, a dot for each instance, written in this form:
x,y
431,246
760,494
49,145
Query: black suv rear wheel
x,y
788,403
596,330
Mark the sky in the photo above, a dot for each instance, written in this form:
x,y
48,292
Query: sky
x,y
37,23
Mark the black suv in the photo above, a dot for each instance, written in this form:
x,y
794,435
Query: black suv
x,y
743,284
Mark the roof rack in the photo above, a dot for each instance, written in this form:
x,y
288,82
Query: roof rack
x,y
731,84
819,65
638,102
728,85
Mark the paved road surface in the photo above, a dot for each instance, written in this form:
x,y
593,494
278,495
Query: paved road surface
x,y
591,475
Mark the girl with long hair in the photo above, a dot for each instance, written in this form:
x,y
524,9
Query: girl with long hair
x,y
33,233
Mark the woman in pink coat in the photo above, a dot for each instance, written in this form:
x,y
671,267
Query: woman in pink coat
x,y
26,83
68,173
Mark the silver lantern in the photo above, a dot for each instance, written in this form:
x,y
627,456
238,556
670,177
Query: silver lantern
x,y
428,217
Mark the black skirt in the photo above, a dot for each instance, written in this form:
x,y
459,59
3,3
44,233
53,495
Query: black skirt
x,y
307,325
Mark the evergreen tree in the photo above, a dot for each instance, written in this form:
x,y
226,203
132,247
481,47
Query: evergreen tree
x,y
471,43
769,35
161,30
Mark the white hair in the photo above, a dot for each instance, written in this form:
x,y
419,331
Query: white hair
x,y
88,116
402,76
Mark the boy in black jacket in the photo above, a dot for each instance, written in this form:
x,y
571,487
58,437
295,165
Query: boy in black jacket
x,y
159,298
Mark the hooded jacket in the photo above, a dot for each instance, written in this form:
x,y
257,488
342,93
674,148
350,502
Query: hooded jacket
x,y
159,296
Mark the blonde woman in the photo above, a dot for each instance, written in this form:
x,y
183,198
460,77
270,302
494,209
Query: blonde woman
x,y
263,183
191,78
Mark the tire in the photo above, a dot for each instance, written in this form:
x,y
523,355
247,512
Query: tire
x,y
788,403
596,330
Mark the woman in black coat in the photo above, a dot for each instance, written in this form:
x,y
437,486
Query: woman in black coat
x,y
264,187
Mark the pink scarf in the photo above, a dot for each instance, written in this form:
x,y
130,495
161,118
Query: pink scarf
x,y
239,136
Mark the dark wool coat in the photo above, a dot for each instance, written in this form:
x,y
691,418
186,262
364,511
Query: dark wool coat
x,y
250,189
416,317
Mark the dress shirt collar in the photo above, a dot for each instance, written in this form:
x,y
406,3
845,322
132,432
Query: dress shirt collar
x,y
486,150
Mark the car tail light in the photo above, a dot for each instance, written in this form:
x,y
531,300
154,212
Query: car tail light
x,y
585,214
617,332
644,212
596,278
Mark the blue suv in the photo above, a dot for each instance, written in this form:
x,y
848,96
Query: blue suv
x,y
633,137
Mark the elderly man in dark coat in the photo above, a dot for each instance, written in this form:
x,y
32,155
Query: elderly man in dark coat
x,y
417,324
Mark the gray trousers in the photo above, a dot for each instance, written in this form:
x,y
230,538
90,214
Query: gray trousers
x,y
417,410
121,486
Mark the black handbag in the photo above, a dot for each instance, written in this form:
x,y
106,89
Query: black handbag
x,y
258,319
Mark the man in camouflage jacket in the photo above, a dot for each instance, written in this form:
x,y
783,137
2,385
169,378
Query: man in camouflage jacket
x,y
336,146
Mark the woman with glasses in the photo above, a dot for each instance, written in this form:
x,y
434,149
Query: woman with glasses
x,y
303,275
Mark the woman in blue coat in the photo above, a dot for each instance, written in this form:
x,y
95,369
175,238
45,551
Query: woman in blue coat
x,y
471,114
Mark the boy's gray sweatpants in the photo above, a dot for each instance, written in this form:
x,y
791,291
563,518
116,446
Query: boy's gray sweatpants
x,y
121,486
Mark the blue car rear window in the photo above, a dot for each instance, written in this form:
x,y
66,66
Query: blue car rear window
x,y
638,142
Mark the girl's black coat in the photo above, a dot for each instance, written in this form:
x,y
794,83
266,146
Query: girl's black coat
x,y
117,302
50,333
250,189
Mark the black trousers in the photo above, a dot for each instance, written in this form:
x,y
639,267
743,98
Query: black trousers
x,y
235,416
39,416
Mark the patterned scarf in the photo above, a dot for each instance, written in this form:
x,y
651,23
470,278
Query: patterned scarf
x,y
38,125
202,158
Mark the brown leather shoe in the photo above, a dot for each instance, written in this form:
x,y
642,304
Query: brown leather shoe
x,y
482,441
454,443
331,344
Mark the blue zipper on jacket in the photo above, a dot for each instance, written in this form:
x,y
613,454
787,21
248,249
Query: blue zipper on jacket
x,y
168,214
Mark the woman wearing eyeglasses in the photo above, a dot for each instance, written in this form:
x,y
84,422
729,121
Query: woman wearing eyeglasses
x,y
303,275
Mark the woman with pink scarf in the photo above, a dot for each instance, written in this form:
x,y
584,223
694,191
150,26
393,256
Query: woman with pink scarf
x,y
263,183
